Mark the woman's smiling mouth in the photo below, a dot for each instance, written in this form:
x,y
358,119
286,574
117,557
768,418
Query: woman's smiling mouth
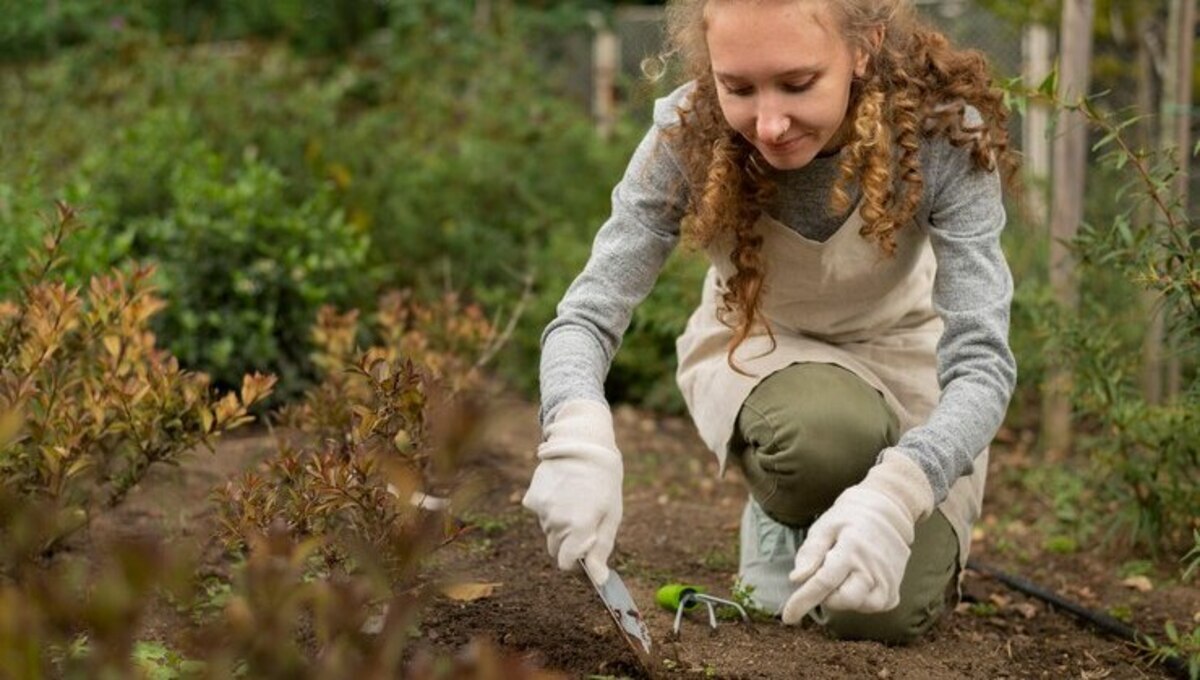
x,y
783,147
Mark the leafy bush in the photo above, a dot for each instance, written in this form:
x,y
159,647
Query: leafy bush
x,y
1145,456
245,270
462,182
40,29
87,253
446,137
327,581
72,619
87,401
366,435
1151,450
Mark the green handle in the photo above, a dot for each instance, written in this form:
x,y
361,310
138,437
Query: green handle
x,y
669,596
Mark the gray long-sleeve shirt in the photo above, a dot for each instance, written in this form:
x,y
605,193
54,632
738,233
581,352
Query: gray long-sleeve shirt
x,y
961,209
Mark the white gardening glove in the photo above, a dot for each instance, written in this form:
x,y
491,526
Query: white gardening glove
x,y
854,555
576,489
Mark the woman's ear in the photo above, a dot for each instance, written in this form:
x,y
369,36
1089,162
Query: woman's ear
x,y
862,57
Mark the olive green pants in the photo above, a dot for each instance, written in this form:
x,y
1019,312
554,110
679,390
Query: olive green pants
x,y
805,434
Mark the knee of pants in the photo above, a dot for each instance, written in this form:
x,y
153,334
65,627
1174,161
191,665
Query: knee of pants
x,y
806,433
900,626
929,580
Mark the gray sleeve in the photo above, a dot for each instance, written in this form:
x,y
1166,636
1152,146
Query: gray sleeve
x,y
627,255
972,292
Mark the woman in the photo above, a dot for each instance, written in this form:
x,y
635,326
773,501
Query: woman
x,y
839,163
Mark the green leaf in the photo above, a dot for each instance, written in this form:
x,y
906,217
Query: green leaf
x,y
1049,85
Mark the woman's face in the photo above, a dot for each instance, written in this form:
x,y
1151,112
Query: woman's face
x,y
783,74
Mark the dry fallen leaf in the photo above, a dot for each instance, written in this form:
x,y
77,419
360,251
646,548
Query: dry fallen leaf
x,y
1000,600
1026,609
1141,584
469,592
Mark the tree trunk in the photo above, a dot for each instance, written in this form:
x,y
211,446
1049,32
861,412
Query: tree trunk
x,y
1036,63
606,64
1152,341
1176,128
1070,167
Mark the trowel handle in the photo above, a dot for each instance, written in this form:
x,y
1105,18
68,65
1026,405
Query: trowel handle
x,y
670,596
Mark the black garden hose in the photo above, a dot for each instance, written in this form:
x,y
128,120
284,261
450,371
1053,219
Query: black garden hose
x,y
1104,622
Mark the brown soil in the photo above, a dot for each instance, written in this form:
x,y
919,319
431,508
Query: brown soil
x,y
680,524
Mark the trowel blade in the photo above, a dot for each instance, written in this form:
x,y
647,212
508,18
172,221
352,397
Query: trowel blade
x,y
624,612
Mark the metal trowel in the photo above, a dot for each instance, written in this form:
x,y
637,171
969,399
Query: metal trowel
x,y
625,614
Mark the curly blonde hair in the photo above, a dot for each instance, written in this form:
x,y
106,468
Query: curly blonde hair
x,y
916,85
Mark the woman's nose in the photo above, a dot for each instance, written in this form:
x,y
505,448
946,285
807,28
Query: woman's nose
x,y
772,123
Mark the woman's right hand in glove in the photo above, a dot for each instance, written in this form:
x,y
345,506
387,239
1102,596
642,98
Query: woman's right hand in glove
x,y
576,488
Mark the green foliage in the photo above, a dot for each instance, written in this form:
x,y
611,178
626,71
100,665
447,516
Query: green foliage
x,y
644,370
1121,612
1176,645
87,253
245,269
1026,12
445,140
1192,559
1032,314
366,439
316,27
743,594
157,661
38,29
1151,450
328,582
1138,243
1135,568
88,403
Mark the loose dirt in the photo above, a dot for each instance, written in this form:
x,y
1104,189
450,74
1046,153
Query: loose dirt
x,y
680,524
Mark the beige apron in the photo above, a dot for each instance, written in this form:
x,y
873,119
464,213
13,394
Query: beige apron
x,y
843,302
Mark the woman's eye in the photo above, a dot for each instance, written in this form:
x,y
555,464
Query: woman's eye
x,y
739,91
797,87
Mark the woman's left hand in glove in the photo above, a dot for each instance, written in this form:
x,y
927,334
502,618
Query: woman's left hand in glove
x,y
853,557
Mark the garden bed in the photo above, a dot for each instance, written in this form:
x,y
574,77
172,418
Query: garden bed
x,y
681,525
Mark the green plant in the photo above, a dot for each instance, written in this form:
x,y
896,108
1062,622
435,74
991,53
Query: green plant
x,y
490,525
743,594
1135,568
983,609
1145,456
1121,612
1192,559
337,597
1184,647
450,141
87,253
1063,545
88,403
157,661
367,436
245,271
